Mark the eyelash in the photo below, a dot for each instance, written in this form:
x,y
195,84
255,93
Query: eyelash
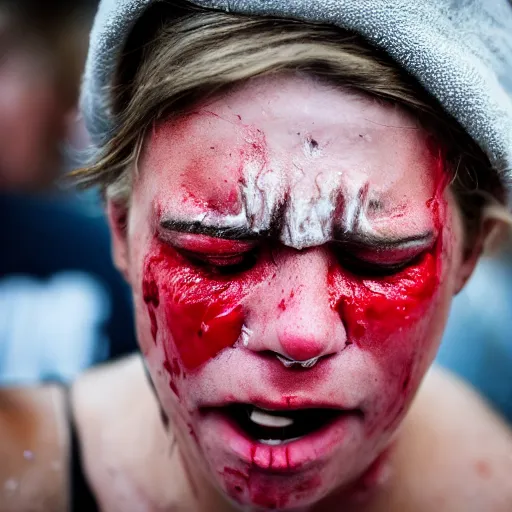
x,y
368,269
233,264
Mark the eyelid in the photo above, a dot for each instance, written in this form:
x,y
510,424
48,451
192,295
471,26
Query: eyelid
x,y
390,257
220,263
204,244
217,260
383,256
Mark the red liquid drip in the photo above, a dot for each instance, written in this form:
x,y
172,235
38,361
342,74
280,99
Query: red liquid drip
x,y
152,299
172,383
204,330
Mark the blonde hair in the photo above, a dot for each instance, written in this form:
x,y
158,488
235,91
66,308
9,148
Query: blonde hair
x,y
178,54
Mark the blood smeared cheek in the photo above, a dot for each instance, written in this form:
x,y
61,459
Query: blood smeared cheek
x,y
377,312
193,314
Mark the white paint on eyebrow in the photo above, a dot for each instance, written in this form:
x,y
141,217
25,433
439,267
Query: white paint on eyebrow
x,y
263,192
304,205
309,213
355,216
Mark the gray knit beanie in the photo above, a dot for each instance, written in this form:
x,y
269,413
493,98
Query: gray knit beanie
x,y
459,50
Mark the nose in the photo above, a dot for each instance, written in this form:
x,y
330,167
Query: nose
x,y
292,316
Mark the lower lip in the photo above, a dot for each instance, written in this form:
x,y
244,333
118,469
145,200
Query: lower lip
x,y
288,457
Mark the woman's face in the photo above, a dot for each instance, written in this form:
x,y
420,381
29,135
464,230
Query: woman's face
x,y
293,252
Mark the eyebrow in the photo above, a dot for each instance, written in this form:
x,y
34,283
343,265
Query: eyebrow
x,y
199,228
383,243
342,237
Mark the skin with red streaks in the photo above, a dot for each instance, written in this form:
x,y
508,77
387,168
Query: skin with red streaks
x,y
248,158
152,299
204,314
483,469
239,482
373,310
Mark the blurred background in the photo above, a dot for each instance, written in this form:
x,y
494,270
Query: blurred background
x,y
63,307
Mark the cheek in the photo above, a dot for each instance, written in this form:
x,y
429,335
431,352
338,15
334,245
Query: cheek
x,y
398,320
192,315
391,320
376,312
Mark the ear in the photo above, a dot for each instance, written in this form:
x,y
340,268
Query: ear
x,y
117,215
473,251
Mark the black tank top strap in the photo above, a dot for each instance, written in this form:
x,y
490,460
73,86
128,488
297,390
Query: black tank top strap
x,y
82,497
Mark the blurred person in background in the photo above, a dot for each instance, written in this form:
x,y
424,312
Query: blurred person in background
x,y
41,50
62,304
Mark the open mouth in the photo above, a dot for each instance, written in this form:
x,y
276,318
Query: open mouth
x,y
280,427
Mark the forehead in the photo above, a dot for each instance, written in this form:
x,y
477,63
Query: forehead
x,y
292,147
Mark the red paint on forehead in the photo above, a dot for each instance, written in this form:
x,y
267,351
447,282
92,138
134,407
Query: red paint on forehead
x,y
209,173
222,196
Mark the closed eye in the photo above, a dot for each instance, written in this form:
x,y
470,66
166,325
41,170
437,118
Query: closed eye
x,y
370,264
224,264
370,270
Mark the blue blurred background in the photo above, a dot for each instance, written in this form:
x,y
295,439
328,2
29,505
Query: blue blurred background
x,y
477,344
63,307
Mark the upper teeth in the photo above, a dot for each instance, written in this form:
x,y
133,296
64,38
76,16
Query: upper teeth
x,y
269,420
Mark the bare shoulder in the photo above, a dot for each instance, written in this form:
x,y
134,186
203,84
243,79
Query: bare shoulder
x,y
125,451
106,389
455,453
33,449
